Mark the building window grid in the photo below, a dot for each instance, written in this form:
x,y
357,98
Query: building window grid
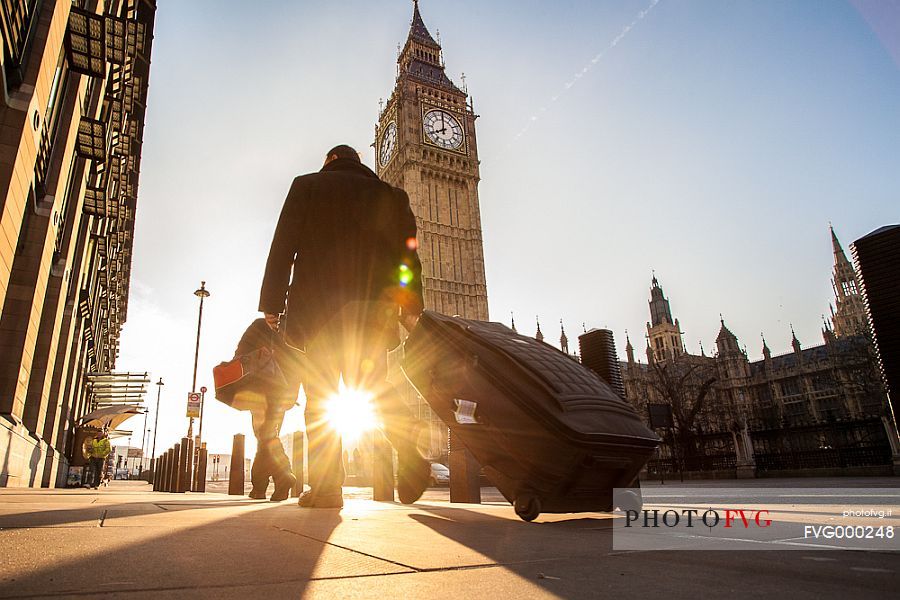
x,y
115,39
86,43
91,140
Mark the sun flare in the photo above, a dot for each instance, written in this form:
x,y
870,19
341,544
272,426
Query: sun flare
x,y
351,412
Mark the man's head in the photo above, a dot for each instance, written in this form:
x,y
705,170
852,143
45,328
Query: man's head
x,y
342,151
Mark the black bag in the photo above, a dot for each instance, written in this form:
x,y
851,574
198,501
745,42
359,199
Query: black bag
x,y
550,434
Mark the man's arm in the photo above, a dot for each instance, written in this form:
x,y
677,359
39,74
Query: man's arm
x,y
277,278
412,301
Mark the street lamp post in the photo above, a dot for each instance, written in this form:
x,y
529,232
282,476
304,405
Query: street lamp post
x,y
146,445
159,385
143,437
200,293
202,401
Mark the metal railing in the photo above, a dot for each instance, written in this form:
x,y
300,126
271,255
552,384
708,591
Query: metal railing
x,y
824,458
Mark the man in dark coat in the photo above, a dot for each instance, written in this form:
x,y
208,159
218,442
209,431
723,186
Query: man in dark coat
x,y
343,269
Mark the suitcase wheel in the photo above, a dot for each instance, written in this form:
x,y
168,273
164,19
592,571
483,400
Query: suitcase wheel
x,y
528,506
631,500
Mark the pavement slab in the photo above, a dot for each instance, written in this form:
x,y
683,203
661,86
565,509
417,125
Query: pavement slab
x,y
126,541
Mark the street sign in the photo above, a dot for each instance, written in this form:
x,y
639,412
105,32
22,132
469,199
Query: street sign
x,y
193,404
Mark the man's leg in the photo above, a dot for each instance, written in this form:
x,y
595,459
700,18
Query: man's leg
x,y
261,467
97,471
320,382
325,469
279,462
368,370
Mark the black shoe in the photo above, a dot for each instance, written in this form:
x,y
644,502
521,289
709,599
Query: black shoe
x,y
283,487
413,473
257,494
308,499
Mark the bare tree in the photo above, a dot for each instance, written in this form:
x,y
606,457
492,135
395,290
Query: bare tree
x,y
684,387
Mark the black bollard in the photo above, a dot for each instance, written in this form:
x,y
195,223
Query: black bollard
x,y
167,474
383,469
170,469
297,451
195,469
164,472
236,473
187,464
153,468
200,479
464,484
175,460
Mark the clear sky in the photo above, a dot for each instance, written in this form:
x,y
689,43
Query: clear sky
x,y
711,142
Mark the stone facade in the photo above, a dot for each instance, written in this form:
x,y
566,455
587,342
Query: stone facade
x,y
718,401
75,86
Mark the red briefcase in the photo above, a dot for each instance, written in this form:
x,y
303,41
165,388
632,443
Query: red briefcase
x,y
244,381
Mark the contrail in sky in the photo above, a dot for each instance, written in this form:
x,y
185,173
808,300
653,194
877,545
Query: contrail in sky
x,y
584,71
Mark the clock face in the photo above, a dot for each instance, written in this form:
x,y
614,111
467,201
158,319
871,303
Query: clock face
x,y
388,143
443,129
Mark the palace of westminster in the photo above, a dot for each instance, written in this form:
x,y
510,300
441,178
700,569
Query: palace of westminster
x,y
837,379
792,399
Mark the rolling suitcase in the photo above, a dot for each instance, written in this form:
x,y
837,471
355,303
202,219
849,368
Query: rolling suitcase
x,y
549,433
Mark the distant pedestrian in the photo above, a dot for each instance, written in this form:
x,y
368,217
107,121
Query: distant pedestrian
x,y
357,463
343,269
96,449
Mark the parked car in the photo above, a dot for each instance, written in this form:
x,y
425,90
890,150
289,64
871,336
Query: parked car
x,y
440,475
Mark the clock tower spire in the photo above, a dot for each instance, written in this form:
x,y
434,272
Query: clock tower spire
x,y
425,144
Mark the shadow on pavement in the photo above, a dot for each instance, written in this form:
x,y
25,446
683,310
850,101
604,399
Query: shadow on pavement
x,y
574,558
186,552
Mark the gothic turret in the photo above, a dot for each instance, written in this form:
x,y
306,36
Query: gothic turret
x,y
539,336
726,342
422,57
660,311
663,332
732,362
795,343
850,317
629,349
827,333
563,340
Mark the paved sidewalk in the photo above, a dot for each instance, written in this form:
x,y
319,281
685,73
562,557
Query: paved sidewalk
x,y
128,541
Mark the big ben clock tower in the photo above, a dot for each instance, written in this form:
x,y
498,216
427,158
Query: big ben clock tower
x,y
425,144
